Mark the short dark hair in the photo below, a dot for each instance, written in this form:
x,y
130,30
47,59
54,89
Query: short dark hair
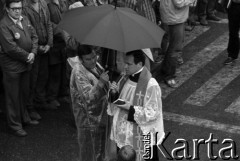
x,y
8,2
126,153
138,56
84,50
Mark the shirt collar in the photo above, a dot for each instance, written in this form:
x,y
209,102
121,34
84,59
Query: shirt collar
x,y
16,20
137,72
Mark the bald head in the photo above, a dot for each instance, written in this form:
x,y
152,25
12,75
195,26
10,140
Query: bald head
x,y
127,153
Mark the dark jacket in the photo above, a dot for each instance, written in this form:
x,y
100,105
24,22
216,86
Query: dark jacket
x,y
58,49
16,44
55,12
41,22
2,8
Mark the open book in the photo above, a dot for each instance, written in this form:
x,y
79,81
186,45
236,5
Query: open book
x,y
119,102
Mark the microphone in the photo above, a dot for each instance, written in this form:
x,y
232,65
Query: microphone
x,y
114,95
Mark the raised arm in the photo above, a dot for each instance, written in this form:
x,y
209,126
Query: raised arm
x,y
90,92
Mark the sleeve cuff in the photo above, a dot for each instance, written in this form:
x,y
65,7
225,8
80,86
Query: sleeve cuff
x,y
131,113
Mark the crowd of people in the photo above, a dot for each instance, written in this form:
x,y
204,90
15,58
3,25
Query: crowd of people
x,y
42,64
32,77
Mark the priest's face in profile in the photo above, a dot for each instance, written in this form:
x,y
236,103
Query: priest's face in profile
x,y
130,66
90,60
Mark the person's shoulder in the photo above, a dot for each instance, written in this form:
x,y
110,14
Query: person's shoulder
x,y
5,21
2,21
27,9
43,3
153,82
25,18
27,6
78,69
50,4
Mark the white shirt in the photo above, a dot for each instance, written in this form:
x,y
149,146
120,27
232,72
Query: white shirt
x,y
17,21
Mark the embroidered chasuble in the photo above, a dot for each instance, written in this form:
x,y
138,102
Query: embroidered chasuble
x,y
145,96
89,102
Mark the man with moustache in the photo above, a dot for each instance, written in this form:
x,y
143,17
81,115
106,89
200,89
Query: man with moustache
x,y
19,45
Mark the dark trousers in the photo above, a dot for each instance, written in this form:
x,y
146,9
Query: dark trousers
x,y
58,81
174,50
54,81
65,79
33,83
206,8
234,25
42,78
16,94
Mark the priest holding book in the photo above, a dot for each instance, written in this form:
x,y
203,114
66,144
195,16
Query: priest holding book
x,y
141,114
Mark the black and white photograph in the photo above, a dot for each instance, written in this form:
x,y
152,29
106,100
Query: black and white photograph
x,y
119,80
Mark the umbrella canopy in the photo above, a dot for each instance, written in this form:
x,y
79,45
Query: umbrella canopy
x,y
117,28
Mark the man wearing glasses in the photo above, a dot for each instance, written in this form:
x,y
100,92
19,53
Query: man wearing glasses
x,y
19,44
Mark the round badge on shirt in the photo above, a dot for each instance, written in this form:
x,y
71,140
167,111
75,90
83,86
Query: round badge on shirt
x,y
17,36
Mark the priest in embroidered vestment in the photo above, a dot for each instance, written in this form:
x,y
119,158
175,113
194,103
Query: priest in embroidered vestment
x,y
89,87
142,112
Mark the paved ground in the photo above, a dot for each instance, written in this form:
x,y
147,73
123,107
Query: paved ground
x,y
206,102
